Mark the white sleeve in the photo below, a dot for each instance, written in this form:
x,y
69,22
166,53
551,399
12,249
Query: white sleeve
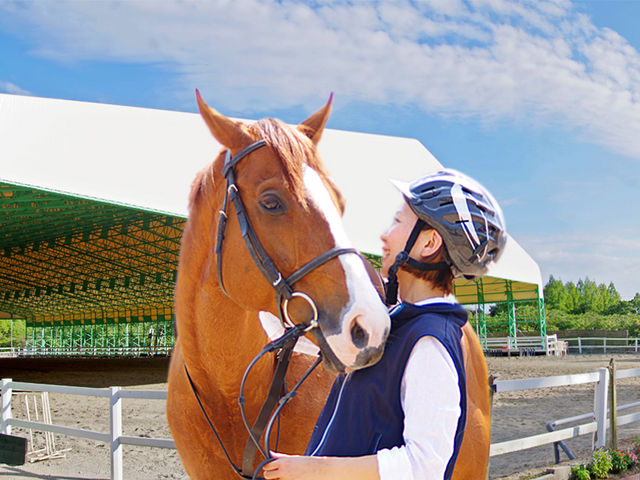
x,y
431,402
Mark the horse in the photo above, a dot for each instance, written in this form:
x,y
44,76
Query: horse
x,y
473,457
288,214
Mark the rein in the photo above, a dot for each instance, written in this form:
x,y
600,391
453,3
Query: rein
x,y
284,294
265,418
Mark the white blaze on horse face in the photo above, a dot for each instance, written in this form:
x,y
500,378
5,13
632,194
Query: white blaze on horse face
x,y
364,306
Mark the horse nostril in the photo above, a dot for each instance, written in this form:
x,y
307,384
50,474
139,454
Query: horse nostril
x,y
359,336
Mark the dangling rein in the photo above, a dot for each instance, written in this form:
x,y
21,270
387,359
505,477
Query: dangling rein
x,y
264,422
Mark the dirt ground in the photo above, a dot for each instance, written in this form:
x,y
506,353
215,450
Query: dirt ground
x,y
515,414
520,414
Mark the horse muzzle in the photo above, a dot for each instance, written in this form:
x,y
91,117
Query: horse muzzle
x,y
353,348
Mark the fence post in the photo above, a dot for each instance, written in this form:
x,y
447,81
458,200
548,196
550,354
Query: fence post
x,y
636,345
7,392
605,345
613,405
115,413
580,345
600,408
492,391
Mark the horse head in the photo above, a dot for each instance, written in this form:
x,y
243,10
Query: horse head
x,y
294,211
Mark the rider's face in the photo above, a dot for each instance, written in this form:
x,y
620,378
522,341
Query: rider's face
x,y
395,237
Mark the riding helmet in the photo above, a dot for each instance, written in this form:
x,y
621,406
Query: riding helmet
x,y
464,213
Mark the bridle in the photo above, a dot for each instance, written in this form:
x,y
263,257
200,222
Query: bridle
x,y
284,292
282,286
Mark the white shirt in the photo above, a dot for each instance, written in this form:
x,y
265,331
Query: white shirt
x,y
430,399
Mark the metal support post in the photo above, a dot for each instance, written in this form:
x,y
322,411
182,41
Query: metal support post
x,y
511,311
542,318
482,316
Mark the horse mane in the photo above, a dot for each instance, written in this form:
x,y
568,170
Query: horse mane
x,y
200,185
291,147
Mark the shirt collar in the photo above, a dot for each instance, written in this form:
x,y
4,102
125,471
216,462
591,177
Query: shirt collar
x,y
428,301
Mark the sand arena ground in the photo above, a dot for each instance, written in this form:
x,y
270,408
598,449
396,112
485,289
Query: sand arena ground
x,y
515,414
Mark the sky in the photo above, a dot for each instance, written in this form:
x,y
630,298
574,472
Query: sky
x,y
539,100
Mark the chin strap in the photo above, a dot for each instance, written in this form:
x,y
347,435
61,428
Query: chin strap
x,y
391,287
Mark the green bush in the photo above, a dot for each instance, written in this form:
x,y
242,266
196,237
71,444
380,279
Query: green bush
x,y
580,472
601,464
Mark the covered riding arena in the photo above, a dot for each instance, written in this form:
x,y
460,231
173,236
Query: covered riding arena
x,y
93,200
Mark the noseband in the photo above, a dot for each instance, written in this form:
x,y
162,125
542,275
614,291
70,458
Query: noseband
x,y
284,294
283,286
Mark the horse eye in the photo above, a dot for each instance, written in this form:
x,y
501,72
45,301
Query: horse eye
x,y
271,204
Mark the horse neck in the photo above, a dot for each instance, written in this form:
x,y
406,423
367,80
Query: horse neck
x,y
218,337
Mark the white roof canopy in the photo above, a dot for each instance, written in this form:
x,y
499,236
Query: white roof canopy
x,y
148,158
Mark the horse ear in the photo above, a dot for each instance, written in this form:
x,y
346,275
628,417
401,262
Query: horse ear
x,y
313,126
229,133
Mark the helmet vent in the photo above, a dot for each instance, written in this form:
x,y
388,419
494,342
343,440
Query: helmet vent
x,y
425,188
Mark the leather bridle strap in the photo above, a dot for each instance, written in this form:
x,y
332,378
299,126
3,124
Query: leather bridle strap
x,y
309,267
275,391
213,429
256,250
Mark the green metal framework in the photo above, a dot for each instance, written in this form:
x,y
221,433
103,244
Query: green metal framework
x,y
524,304
93,277
71,265
140,338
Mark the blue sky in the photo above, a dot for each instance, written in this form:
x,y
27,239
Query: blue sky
x,y
537,99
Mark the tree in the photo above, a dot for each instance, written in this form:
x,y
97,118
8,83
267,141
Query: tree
x,y
586,296
574,299
19,329
635,304
555,294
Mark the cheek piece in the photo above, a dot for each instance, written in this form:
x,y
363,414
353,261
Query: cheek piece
x,y
391,287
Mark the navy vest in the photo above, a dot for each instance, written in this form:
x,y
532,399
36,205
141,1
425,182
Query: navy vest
x,y
363,413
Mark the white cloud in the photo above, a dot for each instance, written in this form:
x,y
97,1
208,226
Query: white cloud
x,y
533,61
602,258
8,87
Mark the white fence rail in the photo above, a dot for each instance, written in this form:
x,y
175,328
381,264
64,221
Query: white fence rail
x,y
603,344
598,425
84,351
549,344
552,345
114,437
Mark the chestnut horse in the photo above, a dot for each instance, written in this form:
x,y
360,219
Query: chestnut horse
x,y
295,210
